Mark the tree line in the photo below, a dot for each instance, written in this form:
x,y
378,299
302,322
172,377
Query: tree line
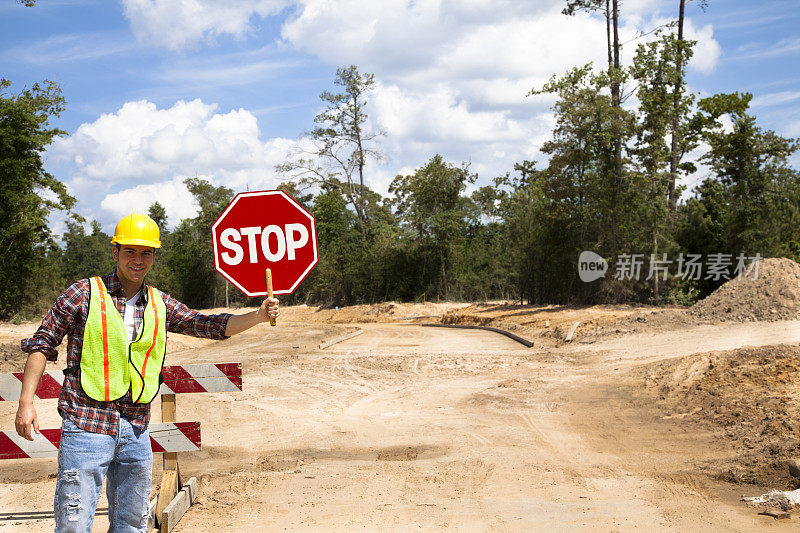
x,y
624,138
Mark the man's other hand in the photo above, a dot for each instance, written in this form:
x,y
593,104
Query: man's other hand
x,y
26,417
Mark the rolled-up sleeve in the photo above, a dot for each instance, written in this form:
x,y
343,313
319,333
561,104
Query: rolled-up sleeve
x,y
181,319
59,321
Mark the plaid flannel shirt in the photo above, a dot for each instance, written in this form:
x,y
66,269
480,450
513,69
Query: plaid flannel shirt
x,y
68,317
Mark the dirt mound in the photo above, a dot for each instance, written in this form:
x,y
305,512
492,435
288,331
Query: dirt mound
x,y
654,320
387,312
774,294
748,397
12,358
454,317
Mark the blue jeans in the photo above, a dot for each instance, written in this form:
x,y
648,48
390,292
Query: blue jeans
x,y
84,460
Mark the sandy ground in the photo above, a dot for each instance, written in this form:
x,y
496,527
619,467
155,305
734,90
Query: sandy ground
x,y
408,427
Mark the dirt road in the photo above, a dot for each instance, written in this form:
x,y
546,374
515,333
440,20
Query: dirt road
x,y
406,427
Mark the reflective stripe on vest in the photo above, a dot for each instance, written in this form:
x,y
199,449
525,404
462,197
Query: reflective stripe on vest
x,y
110,366
101,290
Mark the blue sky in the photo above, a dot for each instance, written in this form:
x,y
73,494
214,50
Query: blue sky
x,y
158,90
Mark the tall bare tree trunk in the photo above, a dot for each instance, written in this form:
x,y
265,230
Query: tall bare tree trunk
x,y
615,85
361,176
676,99
656,293
608,33
615,100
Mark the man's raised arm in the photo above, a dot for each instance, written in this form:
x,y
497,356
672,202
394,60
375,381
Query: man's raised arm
x,y
239,323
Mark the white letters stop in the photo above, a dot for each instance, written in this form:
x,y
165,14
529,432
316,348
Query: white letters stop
x,y
289,239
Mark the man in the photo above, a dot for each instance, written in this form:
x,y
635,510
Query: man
x,y
116,327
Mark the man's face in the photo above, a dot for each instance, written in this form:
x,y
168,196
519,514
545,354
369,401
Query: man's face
x,y
133,262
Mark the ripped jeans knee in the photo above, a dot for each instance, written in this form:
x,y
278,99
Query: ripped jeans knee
x,y
73,507
70,476
71,502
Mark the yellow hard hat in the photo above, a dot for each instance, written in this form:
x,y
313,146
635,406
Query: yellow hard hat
x,y
137,229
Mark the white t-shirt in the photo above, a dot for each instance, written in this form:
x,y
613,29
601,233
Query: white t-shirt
x,y
130,324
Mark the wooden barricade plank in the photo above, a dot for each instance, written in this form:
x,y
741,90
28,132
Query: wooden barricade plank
x,y
203,377
178,506
171,437
166,494
168,415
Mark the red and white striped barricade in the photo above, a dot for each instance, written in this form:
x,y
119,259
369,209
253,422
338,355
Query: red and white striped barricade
x,y
178,379
168,437
164,437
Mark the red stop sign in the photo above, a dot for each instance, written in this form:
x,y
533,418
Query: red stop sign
x,y
260,230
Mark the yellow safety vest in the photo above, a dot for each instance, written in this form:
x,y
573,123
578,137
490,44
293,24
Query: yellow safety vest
x,y
110,367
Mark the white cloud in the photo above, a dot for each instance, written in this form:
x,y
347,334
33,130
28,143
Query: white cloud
x,y
765,50
397,35
773,99
440,40
440,115
63,48
173,195
707,51
143,152
793,130
178,24
422,124
446,41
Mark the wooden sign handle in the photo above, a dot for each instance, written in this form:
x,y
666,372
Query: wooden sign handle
x,y
269,293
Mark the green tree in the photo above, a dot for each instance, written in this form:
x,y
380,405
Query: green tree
x,y
159,216
429,204
581,178
343,144
528,236
293,190
29,193
615,76
160,274
336,280
190,256
677,89
750,202
86,255
655,69
752,166
484,268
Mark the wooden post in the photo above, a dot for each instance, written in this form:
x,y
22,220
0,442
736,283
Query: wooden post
x,y
170,479
269,293
168,415
178,507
